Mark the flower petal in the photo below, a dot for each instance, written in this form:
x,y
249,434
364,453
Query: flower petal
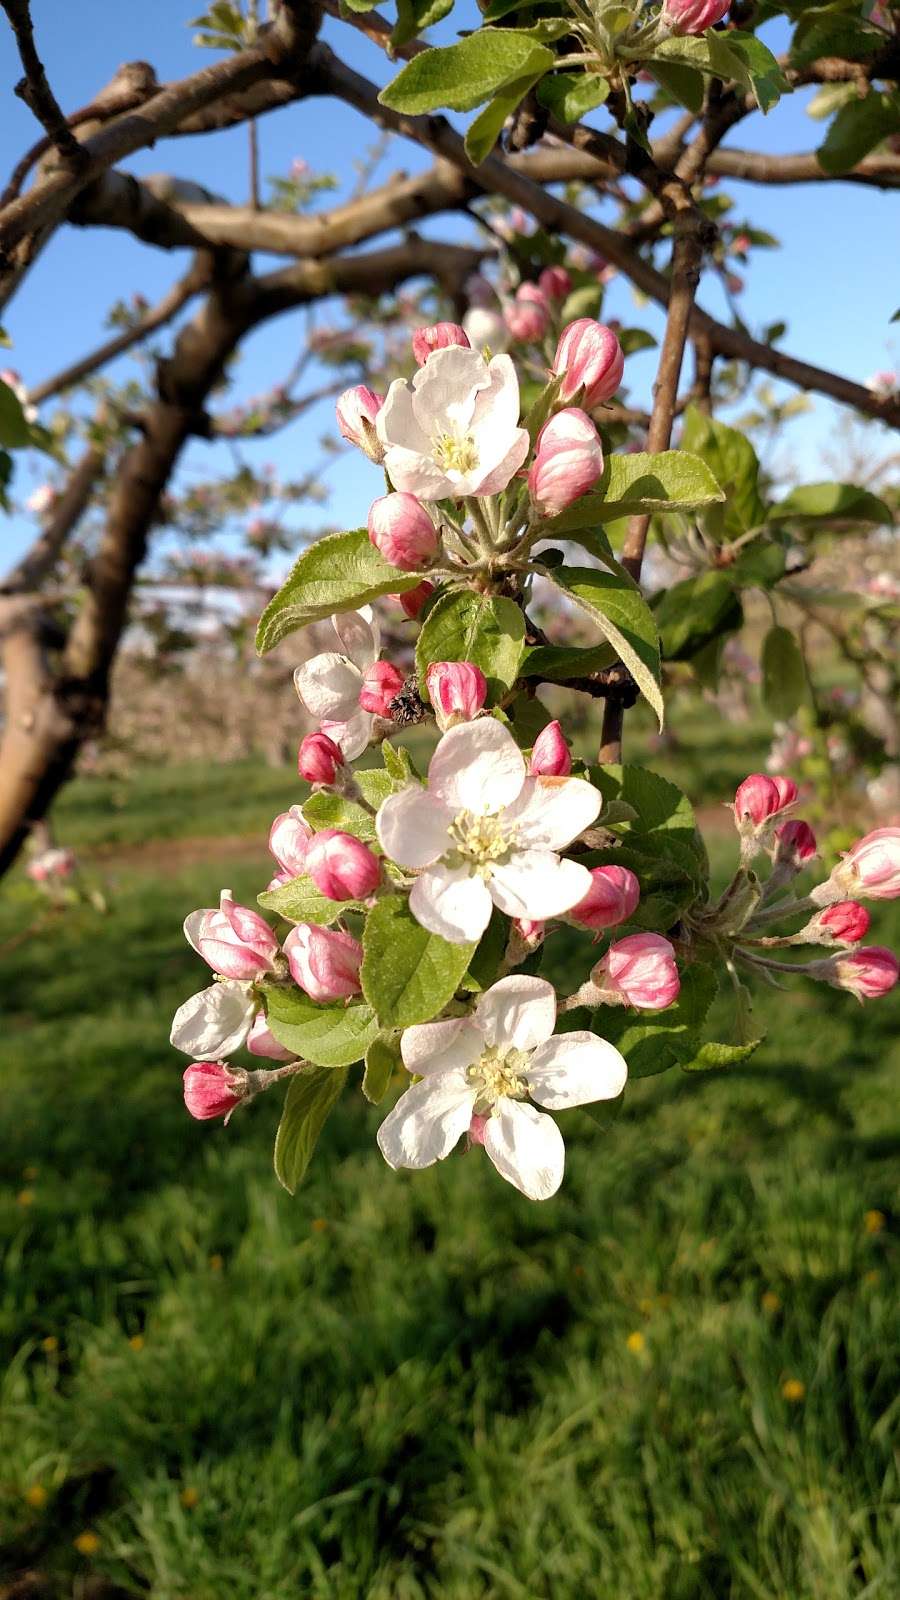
x,y
192,927
359,635
500,473
417,474
412,827
396,424
477,767
551,812
427,1120
351,737
518,1013
446,388
214,1022
329,685
573,1069
438,1046
536,884
452,902
526,1148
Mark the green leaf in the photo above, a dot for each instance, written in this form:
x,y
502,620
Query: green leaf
x,y
461,76
748,61
732,459
301,901
15,430
485,130
760,565
330,1035
713,1054
673,480
634,339
484,966
846,37
341,572
408,974
662,813
414,16
324,810
571,95
857,129
376,783
652,1043
668,886
485,629
681,82
842,502
383,1059
309,1099
784,673
615,603
694,612
585,301
557,663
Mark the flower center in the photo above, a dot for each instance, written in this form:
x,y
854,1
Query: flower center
x,y
455,453
479,841
498,1073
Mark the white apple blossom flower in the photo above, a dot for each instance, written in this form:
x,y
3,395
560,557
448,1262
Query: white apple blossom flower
x,y
216,1021
485,834
454,429
483,1066
329,684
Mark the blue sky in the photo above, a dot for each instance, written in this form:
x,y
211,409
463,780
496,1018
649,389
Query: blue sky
x,y
834,279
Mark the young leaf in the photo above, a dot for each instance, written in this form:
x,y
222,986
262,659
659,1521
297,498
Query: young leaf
x,y
784,673
325,810
733,460
329,1035
571,95
485,130
681,82
408,974
309,1099
485,629
857,129
557,663
618,608
692,613
301,901
383,1059
461,76
484,968
662,813
840,502
14,427
414,16
673,480
341,572
748,61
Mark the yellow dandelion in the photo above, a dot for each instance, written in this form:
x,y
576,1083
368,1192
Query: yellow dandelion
x,y
136,1342
793,1389
216,1263
29,1174
771,1302
36,1496
189,1497
874,1221
319,1224
50,1344
636,1342
87,1543
25,1197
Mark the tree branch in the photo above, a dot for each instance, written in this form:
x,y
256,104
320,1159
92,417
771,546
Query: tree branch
x,y
35,90
39,561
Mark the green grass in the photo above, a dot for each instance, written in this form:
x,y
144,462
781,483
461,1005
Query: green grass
x,y
420,1387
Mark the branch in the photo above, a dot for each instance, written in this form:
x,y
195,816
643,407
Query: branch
x,y
878,171
35,90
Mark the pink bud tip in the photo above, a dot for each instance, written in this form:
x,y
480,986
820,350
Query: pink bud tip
x,y
529,316
592,360
639,971
457,691
611,899
872,866
402,531
439,337
551,756
209,1090
319,759
759,798
234,940
341,866
555,283
413,600
867,973
382,682
288,838
261,1041
846,922
476,1128
324,962
532,932
693,16
568,460
357,410
795,844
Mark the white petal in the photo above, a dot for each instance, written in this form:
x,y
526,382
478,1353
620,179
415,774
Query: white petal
x,y
351,737
214,1022
412,827
477,767
329,685
518,1013
192,926
497,406
395,423
438,1046
359,635
446,388
551,812
536,884
452,902
417,474
427,1121
526,1148
497,476
573,1069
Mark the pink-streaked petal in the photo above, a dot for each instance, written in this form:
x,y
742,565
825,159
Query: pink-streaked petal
x,y
192,928
427,1121
526,1148
359,635
328,685
536,884
439,1046
452,902
518,1013
477,767
412,827
573,1069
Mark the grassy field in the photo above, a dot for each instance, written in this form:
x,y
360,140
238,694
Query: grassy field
x,y
677,1381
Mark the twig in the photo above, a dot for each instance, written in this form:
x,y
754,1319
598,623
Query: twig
x,y
35,90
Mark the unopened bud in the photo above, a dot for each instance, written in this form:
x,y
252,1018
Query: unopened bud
x,y
795,845
439,337
529,316
845,922
319,759
612,898
211,1089
486,329
457,691
639,971
357,409
381,684
871,868
413,600
568,460
693,16
234,940
555,282
288,838
324,961
261,1041
341,866
402,531
591,359
550,756
868,973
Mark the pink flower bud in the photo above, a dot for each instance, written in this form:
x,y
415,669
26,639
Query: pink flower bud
x,y
555,283
611,899
476,1128
439,337
401,529
795,845
413,600
787,792
235,941
211,1090
382,682
528,318
592,359
551,756
342,867
288,838
319,758
457,691
872,866
867,973
639,971
323,961
261,1041
532,932
846,922
759,798
693,16
568,460
357,409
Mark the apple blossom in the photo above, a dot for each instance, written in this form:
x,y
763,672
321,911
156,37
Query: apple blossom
x,y
324,961
357,410
845,922
550,755
591,359
214,1022
54,863
868,972
483,1066
341,866
639,971
382,682
871,868
529,316
555,283
568,460
486,329
234,941
611,899
319,759
457,691
261,1041
439,337
454,429
329,684
41,499
402,531
483,832
693,16
288,838
209,1090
